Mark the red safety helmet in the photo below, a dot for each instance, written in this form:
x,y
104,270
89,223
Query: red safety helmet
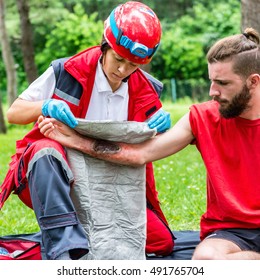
x,y
133,31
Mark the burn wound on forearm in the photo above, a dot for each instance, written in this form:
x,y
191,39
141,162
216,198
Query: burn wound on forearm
x,y
105,147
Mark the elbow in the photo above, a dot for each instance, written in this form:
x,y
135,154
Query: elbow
x,y
10,116
13,118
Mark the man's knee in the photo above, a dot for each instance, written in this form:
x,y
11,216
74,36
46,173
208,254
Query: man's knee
x,y
204,253
211,249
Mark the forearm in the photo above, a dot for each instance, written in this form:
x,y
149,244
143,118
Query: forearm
x,y
121,153
127,154
153,149
24,112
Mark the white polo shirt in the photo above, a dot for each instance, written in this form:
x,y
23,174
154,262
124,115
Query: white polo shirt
x,y
104,103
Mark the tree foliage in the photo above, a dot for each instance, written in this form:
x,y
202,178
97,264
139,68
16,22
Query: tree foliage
x,y
72,34
185,42
64,27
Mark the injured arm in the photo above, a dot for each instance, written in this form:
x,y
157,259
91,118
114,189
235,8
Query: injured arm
x,y
128,154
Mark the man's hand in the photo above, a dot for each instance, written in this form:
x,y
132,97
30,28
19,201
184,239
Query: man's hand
x,y
161,120
59,110
57,131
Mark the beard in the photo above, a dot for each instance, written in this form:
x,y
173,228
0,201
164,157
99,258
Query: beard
x,y
236,106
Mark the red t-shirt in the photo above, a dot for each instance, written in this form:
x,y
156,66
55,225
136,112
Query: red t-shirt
x,y
230,149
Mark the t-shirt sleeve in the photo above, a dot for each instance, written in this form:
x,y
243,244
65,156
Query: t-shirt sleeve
x,y
42,88
193,124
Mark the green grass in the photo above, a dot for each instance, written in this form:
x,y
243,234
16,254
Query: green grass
x,y
180,181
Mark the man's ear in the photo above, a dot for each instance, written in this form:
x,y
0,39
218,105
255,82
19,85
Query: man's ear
x,y
253,81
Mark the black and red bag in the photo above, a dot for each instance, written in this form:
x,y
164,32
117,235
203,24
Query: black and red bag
x,y
21,247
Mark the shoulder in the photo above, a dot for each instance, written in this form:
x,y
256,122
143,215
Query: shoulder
x,y
88,56
58,65
208,108
204,115
158,85
140,80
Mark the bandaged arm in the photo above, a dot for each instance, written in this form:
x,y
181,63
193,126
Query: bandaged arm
x,y
161,146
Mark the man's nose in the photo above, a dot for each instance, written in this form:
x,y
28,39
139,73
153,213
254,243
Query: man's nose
x,y
213,91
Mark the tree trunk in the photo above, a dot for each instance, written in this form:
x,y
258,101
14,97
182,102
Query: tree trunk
x,y
27,41
250,11
7,58
3,128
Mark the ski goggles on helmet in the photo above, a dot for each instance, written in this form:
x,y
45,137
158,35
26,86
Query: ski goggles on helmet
x,y
135,48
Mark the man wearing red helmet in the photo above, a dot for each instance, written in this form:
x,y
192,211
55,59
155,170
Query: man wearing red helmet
x,y
99,83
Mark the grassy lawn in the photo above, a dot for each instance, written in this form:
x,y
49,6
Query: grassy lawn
x,y
180,183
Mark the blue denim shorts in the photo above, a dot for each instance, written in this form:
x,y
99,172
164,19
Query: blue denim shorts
x,y
246,239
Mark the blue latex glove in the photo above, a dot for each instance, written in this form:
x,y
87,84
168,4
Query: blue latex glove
x,y
59,110
161,120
